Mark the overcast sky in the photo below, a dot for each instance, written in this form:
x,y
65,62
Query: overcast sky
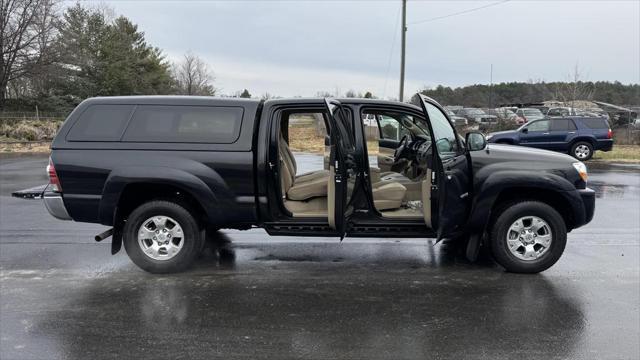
x,y
291,48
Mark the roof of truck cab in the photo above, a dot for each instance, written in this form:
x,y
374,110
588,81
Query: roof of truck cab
x,y
222,101
360,101
171,100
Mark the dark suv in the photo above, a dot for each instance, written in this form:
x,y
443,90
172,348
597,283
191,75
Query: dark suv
x,y
577,136
164,171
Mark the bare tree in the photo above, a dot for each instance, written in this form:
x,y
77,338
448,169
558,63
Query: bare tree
x,y
352,94
26,27
575,89
194,77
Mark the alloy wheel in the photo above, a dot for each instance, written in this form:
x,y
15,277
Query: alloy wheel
x,y
529,238
160,237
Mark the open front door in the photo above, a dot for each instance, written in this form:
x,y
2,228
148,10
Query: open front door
x,y
451,178
342,167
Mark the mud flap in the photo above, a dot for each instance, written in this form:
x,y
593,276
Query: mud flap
x,y
116,238
473,247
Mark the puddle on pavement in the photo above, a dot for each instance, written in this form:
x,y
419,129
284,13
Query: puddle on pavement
x,y
610,191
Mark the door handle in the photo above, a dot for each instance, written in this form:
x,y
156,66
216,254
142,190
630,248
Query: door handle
x,y
545,133
572,132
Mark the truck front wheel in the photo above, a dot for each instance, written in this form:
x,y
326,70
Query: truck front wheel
x,y
528,237
162,237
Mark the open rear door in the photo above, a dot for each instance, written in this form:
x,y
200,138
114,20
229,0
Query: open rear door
x,y
342,167
451,177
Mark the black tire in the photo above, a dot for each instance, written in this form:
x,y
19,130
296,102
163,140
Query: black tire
x,y
193,237
509,215
580,155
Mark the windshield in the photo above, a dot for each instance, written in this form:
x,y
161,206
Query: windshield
x,y
475,112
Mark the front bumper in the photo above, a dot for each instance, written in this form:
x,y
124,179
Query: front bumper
x,y
588,197
55,205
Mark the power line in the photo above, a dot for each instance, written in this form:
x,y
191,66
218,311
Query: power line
x,y
458,13
393,45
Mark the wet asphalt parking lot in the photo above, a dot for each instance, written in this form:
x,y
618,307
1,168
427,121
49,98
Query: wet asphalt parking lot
x,y
63,296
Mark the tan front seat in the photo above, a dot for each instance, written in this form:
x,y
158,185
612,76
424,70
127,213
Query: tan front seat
x,y
288,157
314,186
387,195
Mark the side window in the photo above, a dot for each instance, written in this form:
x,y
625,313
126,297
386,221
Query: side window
x,y
101,123
391,128
595,123
184,124
559,125
446,142
306,131
542,125
562,125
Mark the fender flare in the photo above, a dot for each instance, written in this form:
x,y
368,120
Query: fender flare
x,y
195,186
499,181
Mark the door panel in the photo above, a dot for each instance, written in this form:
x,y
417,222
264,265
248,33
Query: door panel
x,y
452,177
537,135
342,166
453,195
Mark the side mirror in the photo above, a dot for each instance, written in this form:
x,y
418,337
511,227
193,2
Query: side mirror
x,y
475,141
525,130
327,140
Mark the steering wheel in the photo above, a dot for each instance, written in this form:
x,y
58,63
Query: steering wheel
x,y
401,149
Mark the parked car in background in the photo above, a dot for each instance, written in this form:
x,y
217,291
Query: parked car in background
x,y
475,115
369,120
569,111
580,137
506,114
530,114
560,112
457,120
543,109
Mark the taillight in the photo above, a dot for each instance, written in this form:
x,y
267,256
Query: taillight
x,y
609,134
54,181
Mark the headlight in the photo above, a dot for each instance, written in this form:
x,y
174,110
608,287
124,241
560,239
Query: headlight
x,y
581,168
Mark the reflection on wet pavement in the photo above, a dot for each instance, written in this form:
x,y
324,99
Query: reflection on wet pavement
x,y
379,301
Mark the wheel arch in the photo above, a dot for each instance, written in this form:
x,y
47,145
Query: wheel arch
x,y
582,138
503,188
126,187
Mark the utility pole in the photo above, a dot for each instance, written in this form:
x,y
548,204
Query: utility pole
x,y
491,87
404,39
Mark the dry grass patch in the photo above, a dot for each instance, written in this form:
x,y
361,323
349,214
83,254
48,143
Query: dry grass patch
x,y
305,139
24,147
620,153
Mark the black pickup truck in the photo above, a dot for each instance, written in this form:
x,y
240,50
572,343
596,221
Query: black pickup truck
x,y
164,170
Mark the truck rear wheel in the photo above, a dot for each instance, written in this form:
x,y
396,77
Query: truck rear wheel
x,y
528,237
162,237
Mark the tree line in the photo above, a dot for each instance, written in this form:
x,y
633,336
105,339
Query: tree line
x,y
55,59
524,93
